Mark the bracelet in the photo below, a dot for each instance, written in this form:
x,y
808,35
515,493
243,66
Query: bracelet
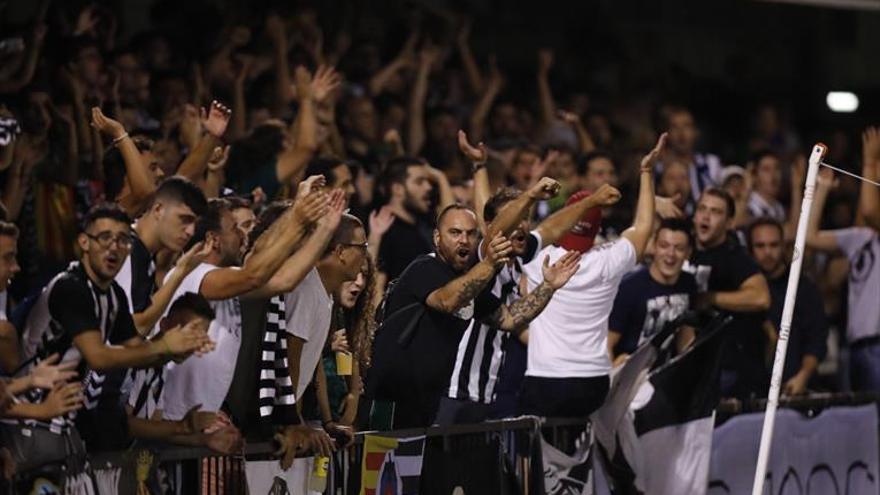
x,y
477,166
119,139
164,344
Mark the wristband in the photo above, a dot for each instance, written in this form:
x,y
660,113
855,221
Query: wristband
x,y
119,139
477,166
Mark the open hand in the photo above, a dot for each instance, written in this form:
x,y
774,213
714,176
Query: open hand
x,y
339,342
194,257
218,159
335,209
559,273
477,155
666,207
215,118
326,81
381,220
106,125
48,373
62,399
649,160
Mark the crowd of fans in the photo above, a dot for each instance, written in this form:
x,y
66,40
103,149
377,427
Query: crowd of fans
x,y
199,248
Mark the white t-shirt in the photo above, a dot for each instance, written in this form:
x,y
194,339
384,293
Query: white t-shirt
x,y
862,246
309,311
569,339
204,380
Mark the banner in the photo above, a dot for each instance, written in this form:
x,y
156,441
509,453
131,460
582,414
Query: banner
x,y
267,477
392,466
568,474
835,453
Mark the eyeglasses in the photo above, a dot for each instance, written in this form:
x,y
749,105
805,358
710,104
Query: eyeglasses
x,y
106,239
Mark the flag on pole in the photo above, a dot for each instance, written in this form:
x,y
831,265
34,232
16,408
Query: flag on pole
x,y
391,466
662,443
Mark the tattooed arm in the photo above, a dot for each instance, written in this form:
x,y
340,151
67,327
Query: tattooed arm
x,y
516,317
464,289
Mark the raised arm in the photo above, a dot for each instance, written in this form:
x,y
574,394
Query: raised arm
x,y
471,69
26,74
441,182
380,221
477,156
545,94
278,35
511,214
296,267
869,196
517,316
401,61
292,162
822,240
462,290
484,105
140,183
798,175
643,225
416,119
239,100
585,141
179,342
559,223
214,122
270,251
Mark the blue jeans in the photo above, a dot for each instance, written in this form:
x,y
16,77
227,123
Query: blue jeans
x,y
864,366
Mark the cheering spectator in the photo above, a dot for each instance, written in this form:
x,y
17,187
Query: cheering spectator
x,y
654,295
568,363
728,280
704,170
809,326
861,246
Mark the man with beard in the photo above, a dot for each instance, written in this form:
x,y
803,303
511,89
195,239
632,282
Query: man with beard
x,y
809,325
654,295
408,185
568,363
729,280
83,315
704,169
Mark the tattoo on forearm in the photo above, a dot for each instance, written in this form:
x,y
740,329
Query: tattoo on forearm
x,y
470,289
526,309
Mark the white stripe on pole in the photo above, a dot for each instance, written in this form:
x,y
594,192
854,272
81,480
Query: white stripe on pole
x,y
794,277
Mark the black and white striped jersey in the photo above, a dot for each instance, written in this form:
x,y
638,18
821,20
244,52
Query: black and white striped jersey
x,y
70,305
480,353
137,277
145,391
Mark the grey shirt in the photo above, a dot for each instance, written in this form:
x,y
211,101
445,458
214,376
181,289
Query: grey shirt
x,y
862,247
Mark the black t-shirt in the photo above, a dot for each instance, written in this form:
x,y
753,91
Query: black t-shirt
x,y
809,325
403,243
643,306
76,305
722,269
138,275
438,334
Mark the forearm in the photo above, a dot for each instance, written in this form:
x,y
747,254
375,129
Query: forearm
x,y
26,410
19,385
136,172
585,141
7,156
416,123
742,300
374,244
481,113
643,224
14,193
157,429
147,319
291,164
809,363
482,193
321,392
26,74
380,79
444,189
869,201
526,309
559,223
239,111
83,130
282,75
296,267
193,167
510,215
117,357
213,183
461,291
9,355
545,97
816,239
471,70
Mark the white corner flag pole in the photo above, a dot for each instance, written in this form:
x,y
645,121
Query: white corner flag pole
x,y
794,276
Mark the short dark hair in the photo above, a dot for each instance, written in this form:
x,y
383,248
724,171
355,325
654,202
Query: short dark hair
x,y
729,203
583,162
181,190
344,232
448,208
8,229
210,220
194,303
270,214
497,201
114,166
763,153
324,165
397,170
104,210
763,222
678,225
237,202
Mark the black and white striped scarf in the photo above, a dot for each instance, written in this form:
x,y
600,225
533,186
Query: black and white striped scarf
x,y
277,395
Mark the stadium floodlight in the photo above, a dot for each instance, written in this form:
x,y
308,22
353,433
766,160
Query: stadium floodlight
x,y
842,101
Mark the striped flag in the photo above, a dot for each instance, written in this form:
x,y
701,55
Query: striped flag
x,y
392,466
